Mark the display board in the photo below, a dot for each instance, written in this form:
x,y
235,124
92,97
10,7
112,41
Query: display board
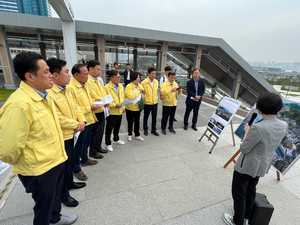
x,y
287,154
224,113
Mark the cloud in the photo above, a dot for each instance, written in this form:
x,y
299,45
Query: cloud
x,y
256,29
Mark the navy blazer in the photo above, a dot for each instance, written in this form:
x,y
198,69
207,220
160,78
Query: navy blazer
x,y
191,91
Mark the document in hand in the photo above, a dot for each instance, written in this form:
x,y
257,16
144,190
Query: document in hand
x,y
104,101
76,135
132,101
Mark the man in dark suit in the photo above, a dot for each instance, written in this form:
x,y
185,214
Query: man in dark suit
x,y
195,90
127,74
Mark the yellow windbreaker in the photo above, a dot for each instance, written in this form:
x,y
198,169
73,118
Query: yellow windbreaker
x,y
132,91
31,139
83,100
97,91
168,98
118,98
68,111
151,93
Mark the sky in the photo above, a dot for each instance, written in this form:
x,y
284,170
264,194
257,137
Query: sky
x,y
259,30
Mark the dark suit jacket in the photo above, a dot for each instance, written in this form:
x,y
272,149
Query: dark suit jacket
x,y
125,76
191,91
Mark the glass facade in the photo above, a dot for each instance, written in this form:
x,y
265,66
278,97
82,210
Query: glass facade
x,y
9,5
33,7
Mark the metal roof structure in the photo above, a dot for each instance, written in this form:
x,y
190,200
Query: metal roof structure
x,y
221,62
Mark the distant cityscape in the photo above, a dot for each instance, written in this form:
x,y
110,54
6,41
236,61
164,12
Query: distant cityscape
x,y
285,77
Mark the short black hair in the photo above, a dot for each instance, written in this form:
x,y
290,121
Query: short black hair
x,y
168,68
76,68
92,63
134,76
269,104
128,64
151,69
26,62
113,73
115,63
171,74
56,65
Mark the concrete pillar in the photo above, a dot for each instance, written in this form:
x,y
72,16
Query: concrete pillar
x,y
236,86
128,55
96,55
135,56
100,42
163,56
198,57
57,51
158,68
6,63
43,49
70,47
117,55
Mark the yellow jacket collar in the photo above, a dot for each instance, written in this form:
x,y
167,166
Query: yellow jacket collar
x,y
77,83
92,78
30,91
56,88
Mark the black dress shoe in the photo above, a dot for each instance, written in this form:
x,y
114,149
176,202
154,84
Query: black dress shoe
x,y
155,133
70,202
164,132
146,132
194,128
175,120
77,185
172,131
103,151
97,155
185,127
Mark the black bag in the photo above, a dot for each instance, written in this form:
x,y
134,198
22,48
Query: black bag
x,y
262,211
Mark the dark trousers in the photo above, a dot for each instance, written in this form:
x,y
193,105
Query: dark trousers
x,y
147,110
243,194
113,124
168,114
133,119
81,148
97,134
68,177
191,107
46,193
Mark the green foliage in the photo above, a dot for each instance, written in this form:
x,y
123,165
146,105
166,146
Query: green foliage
x,y
5,93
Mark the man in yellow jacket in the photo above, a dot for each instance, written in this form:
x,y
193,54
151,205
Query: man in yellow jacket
x,y
168,93
83,99
98,92
70,120
133,93
150,86
31,139
116,109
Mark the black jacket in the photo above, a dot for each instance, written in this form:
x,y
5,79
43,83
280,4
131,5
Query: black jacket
x,y
125,76
191,91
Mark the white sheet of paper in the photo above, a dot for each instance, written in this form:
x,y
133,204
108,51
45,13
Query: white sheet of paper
x,y
76,135
3,167
107,99
106,112
132,101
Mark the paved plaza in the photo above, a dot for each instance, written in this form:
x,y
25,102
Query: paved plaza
x,y
166,180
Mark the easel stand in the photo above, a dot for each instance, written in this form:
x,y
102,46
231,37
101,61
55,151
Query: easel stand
x,y
213,138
